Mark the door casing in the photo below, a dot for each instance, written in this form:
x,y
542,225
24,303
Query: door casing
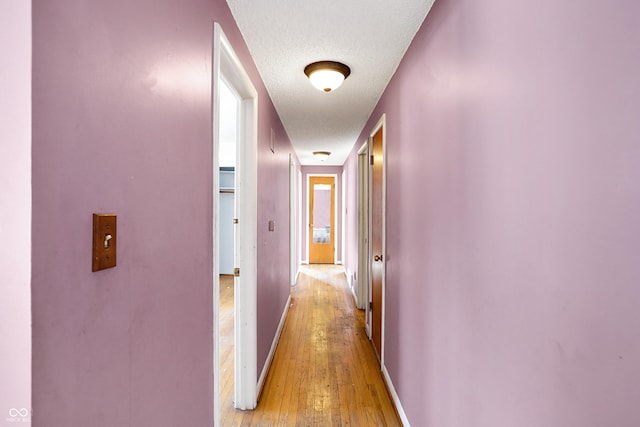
x,y
293,200
363,229
227,66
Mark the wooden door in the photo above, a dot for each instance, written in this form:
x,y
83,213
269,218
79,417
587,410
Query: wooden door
x,y
321,219
377,231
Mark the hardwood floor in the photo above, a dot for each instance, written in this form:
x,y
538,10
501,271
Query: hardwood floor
x,y
324,372
227,412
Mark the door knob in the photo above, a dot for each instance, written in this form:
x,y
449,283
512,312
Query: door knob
x,y
377,258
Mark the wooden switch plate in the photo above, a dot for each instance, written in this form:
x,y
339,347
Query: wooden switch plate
x,y
104,241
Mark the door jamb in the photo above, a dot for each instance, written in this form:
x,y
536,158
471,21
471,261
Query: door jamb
x,y
293,267
227,64
363,232
343,221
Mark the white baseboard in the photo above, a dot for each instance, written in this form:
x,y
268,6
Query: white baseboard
x,y
272,351
296,279
349,276
394,396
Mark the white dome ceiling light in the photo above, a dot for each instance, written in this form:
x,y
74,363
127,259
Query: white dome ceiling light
x,y
327,75
322,155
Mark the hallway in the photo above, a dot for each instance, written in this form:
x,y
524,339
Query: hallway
x,y
324,371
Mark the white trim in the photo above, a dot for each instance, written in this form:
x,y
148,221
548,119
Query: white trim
x,y
16,209
395,398
335,216
364,148
274,345
246,297
369,317
227,65
343,242
300,219
292,221
362,210
216,224
349,275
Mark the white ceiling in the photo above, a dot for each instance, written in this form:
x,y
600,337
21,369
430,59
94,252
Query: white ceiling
x,y
370,36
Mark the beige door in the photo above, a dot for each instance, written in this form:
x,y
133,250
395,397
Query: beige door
x,y
377,256
321,219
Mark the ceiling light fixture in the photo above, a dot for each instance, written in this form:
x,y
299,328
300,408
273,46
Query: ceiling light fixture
x,y
321,155
327,75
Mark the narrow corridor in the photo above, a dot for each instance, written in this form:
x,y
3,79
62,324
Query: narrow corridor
x,y
324,371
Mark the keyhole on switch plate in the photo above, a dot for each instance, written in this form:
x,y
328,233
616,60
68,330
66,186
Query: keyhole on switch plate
x,y
107,237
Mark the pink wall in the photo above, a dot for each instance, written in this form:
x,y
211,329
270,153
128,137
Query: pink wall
x,y
513,216
122,123
304,238
273,204
15,212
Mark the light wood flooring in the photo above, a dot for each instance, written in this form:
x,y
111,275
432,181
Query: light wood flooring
x,y
324,372
227,412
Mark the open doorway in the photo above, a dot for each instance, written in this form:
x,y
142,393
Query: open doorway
x,y
235,150
229,103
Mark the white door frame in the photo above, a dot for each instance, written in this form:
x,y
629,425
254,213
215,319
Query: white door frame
x,y
300,224
363,231
293,265
227,66
343,209
335,216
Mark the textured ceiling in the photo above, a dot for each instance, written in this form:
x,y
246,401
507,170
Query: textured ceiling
x,y
370,36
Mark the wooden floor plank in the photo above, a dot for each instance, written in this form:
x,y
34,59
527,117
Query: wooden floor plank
x,y
324,371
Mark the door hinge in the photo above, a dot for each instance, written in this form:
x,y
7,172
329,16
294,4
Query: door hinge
x,y
236,272
235,220
371,160
370,305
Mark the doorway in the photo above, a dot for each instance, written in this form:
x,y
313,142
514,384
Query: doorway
x,y
377,256
228,71
321,236
227,254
